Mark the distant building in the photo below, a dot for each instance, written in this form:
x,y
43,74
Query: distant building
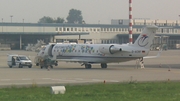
x,y
19,35
146,21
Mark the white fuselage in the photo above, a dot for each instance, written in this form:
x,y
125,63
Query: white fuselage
x,y
101,53
97,53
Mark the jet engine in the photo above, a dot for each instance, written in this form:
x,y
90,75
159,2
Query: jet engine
x,y
109,49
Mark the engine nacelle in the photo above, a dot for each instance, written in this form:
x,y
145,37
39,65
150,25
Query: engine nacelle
x,y
109,49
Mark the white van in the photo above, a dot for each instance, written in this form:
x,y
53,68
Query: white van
x,y
18,61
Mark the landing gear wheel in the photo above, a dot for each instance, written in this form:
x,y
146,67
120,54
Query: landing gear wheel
x,y
103,65
41,67
30,66
87,66
51,66
20,66
56,64
37,64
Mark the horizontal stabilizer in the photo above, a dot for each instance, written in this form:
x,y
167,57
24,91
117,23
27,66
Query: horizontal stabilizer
x,y
148,57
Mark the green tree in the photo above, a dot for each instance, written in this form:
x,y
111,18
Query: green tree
x,y
46,19
59,20
74,16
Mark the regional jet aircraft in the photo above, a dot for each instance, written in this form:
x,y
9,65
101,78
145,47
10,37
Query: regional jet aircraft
x,y
88,54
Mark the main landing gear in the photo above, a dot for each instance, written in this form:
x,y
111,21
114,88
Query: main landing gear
x,y
88,66
103,65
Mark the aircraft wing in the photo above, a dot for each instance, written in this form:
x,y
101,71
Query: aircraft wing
x,y
74,60
83,60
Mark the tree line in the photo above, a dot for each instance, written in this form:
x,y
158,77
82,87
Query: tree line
x,y
75,16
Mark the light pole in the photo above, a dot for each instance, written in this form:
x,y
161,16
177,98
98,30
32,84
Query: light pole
x,y
23,25
2,24
11,18
178,22
20,37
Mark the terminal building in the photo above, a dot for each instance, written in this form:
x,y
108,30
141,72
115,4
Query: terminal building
x,y
19,35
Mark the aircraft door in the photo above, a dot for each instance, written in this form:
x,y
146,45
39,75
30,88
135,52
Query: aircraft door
x,y
13,61
48,50
57,51
17,61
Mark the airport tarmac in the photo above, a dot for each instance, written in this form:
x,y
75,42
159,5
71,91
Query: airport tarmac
x,y
164,68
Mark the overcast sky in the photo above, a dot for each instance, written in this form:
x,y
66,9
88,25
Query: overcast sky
x,y
92,10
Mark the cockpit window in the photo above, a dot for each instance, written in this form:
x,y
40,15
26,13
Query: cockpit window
x,y
43,48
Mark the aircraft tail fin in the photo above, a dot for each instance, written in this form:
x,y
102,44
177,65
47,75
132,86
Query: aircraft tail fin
x,y
145,39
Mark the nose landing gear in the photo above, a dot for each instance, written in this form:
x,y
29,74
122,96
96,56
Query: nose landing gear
x,y
103,65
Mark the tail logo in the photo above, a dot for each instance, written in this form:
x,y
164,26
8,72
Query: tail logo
x,y
143,41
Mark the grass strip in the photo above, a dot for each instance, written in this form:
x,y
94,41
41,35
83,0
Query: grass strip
x,y
149,91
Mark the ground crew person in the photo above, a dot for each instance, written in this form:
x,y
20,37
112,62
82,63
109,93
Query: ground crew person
x,y
141,62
